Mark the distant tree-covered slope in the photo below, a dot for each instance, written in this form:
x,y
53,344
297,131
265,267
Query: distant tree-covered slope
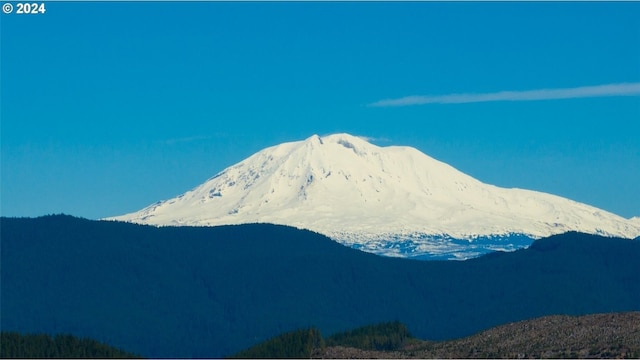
x,y
611,335
299,344
42,346
384,336
211,292
309,343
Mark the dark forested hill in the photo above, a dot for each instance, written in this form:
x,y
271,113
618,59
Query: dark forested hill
x,y
210,292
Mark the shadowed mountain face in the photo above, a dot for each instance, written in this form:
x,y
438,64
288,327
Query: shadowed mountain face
x,y
210,292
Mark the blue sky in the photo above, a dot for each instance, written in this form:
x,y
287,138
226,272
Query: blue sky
x,y
110,106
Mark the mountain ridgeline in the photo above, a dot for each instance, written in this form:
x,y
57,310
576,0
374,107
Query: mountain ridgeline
x,y
213,291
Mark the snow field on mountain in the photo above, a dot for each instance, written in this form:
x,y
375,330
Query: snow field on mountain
x,y
362,194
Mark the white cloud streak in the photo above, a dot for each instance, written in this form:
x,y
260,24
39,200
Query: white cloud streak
x,y
624,89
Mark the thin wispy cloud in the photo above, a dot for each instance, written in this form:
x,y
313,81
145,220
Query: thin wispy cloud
x,y
624,89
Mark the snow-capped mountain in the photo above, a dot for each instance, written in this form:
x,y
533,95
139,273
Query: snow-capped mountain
x,y
390,200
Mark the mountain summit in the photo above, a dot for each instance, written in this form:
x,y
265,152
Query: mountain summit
x,y
390,200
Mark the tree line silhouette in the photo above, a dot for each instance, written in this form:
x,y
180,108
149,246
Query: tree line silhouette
x,y
14,345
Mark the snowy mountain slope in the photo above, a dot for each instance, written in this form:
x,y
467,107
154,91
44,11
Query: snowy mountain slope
x,y
370,197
